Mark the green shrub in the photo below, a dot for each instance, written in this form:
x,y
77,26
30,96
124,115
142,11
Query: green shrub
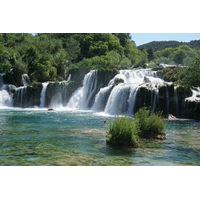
x,y
37,84
150,124
123,131
152,65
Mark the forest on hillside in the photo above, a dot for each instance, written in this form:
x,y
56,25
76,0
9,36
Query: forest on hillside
x,y
53,56
160,45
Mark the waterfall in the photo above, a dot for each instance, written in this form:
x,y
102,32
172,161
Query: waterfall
x,y
21,96
26,80
120,94
117,101
5,99
82,97
167,100
176,100
69,77
131,99
43,94
101,91
56,100
154,98
5,94
101,99
137,76
195,95
123,96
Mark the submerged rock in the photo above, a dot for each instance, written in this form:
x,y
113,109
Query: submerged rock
x,y
161,136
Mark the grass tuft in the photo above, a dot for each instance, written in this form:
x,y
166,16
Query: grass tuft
x,y
150,124
123,131
126,131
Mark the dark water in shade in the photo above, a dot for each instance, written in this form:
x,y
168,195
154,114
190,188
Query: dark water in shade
x,y
37,137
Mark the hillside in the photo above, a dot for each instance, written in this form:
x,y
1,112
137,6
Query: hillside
x,y
160,45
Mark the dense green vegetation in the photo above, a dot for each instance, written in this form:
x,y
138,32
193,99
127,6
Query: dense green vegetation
x,y
160,45
187,77
126,131
182,55
49,56
150,124
53,56
123,132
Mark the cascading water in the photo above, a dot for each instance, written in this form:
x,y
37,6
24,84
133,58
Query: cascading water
x,y
26,80
195,95
69,77
101,99
131,99
167,100
103,91
20,100
176,100
5,95
117,101
82,97
116,98
123,97
43,94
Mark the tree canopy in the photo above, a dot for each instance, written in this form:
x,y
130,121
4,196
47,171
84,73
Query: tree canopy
x,y
48,56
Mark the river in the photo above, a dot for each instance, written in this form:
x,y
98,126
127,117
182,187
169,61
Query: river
x,y
38,137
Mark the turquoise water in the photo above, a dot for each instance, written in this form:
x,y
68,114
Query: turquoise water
x,y
37,137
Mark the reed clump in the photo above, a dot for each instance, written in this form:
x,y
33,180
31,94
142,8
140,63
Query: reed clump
x,y
128,131
151,125
123,132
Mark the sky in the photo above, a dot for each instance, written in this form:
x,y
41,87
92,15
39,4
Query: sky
x,y
143,38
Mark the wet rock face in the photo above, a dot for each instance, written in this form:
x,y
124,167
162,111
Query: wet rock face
x,y
192,110
27,97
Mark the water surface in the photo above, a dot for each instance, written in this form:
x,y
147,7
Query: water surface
x,y
37,137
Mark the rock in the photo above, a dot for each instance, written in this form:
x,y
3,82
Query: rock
x,y
161,137
50,109
172,117
146,80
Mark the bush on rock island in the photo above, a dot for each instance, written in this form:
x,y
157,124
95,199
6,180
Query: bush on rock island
x,y
151,125
125,131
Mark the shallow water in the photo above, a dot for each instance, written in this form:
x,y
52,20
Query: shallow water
x,y
37,137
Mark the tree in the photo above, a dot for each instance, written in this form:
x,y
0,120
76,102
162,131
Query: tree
x,y
5,60
72,47
150,53
191,76
123,38
97,44
61,62
112,58
179,56
141,58
31,58
125,63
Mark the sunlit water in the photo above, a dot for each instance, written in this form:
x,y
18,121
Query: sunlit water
x,y
40,137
